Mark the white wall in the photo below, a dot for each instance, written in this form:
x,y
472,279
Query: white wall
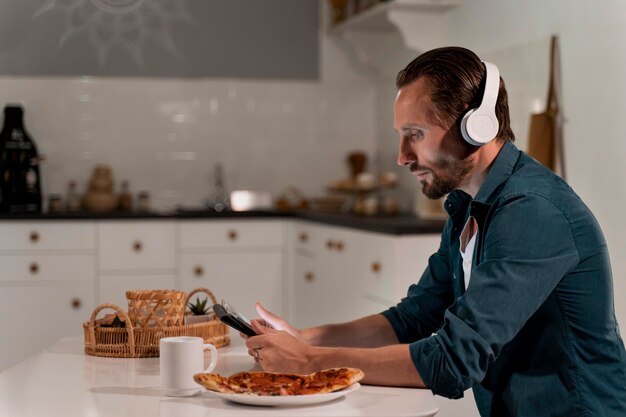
x,y
165,135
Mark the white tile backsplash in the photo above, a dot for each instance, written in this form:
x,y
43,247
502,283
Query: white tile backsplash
x,y
166,135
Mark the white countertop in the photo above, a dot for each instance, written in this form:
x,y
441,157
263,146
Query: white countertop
x,y
62,381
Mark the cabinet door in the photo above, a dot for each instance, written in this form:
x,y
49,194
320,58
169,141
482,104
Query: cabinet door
x,y
311,290
112,288
147,245
33,317
332,260
242,279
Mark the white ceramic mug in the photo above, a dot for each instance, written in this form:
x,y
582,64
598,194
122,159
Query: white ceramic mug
x,y
182,357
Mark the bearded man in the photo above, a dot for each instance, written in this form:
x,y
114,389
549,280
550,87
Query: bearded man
x,y
517,302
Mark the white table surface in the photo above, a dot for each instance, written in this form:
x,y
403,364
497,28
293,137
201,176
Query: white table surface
x,y
63,381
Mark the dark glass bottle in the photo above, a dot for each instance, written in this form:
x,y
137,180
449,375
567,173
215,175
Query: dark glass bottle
x,y
20,182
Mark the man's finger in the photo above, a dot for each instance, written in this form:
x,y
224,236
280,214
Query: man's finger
x,y
266,315
258,342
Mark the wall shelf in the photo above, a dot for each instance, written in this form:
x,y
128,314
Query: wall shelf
x,y
420,23
379,18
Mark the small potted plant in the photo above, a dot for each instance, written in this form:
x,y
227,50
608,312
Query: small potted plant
x,y
199,312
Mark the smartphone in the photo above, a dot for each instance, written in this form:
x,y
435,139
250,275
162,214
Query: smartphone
x,y
229,316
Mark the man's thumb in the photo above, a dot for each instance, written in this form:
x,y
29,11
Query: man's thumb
x,y
259,327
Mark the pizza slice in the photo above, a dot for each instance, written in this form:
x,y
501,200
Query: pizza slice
x,y
330,380
218,383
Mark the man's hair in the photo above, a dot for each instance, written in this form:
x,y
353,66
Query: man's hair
x,y
455,78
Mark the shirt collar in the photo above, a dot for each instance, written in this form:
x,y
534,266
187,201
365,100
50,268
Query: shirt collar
x,y
500,171
458,201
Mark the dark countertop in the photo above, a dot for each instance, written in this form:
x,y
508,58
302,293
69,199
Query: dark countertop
x,y
402,224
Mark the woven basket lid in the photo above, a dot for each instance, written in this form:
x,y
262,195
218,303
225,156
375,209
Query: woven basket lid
x,y
155,295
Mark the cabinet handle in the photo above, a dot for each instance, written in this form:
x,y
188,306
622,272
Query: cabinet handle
x,y
339,245
330,244
304,237
232,235
34,268
137,246
198,271
376,267
34,237
76,303
309,277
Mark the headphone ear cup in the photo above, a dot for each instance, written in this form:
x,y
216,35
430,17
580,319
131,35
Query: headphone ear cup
x,y
479,128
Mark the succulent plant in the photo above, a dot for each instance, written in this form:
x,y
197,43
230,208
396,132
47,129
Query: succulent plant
x,y
199,308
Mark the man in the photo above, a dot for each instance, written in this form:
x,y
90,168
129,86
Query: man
x,y
517,303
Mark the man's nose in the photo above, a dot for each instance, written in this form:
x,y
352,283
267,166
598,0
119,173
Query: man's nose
x,y
406,155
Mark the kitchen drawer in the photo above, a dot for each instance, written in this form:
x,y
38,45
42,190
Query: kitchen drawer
x,y
57,235
33,268
137,245
231,234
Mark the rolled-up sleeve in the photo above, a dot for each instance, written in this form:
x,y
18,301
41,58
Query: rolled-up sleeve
x,y
528,248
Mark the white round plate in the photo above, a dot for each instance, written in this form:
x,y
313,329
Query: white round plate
x,y
286,400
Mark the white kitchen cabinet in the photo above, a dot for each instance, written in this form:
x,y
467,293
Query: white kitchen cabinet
x,y
342,274
322,268
135,255
241,261
319,273
47,283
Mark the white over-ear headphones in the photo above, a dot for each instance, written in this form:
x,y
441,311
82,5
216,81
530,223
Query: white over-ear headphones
x,y
480,126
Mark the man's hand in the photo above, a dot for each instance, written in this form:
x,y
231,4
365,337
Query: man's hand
x,y
278,346
279,350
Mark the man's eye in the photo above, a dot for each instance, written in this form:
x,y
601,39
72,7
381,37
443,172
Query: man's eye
x,y
418,134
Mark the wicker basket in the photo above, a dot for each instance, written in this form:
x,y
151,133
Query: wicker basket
x,y
156,308
143,342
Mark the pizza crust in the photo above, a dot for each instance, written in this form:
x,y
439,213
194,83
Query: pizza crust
x,y
276,383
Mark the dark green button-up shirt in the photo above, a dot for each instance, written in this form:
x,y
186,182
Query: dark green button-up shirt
x,y
534,334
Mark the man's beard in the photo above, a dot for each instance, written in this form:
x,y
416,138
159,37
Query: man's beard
x,y
447,179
